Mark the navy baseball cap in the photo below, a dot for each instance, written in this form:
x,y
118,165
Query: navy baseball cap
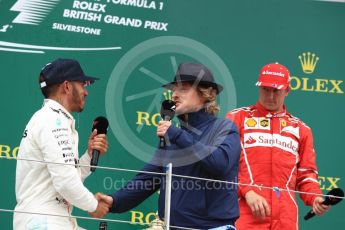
x,y
62,70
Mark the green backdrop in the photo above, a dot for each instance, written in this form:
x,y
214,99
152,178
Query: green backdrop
x,y
134,46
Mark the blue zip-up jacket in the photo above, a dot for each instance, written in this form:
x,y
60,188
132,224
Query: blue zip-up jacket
x,y
206,147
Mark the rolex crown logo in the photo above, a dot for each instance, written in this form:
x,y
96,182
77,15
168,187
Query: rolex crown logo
x,y
168,95
308,62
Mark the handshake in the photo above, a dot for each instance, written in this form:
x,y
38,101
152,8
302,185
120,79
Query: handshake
x,y
104,204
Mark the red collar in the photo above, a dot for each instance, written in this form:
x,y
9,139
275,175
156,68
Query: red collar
x,y
268,113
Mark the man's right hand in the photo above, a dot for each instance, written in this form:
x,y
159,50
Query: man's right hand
x,y
163,127
104,204
257,204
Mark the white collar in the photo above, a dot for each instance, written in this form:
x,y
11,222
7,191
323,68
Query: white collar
x,y
58,107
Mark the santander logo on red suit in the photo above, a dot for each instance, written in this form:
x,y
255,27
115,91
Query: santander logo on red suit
x,y
271,140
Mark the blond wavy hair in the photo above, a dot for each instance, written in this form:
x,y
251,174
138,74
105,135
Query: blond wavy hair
x,y
210,96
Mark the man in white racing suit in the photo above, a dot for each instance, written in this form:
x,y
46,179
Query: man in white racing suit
x,y
54,187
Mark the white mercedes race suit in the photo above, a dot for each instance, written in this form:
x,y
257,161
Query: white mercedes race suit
x,y
49,188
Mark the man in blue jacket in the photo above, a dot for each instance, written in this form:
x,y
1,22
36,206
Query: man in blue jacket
x,y
205,146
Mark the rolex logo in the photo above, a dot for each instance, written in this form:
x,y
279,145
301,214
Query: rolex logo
x,y
308,62
168,95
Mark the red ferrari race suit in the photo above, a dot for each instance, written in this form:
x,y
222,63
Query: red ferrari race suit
x,y
278,152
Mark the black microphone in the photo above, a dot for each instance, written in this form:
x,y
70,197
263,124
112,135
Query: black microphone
x,y
329,200
167,113
103,225
101,124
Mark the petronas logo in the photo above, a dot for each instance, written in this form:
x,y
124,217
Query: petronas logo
x,y
308,62
33,12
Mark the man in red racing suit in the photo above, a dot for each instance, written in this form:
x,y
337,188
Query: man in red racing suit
x,y
277,152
